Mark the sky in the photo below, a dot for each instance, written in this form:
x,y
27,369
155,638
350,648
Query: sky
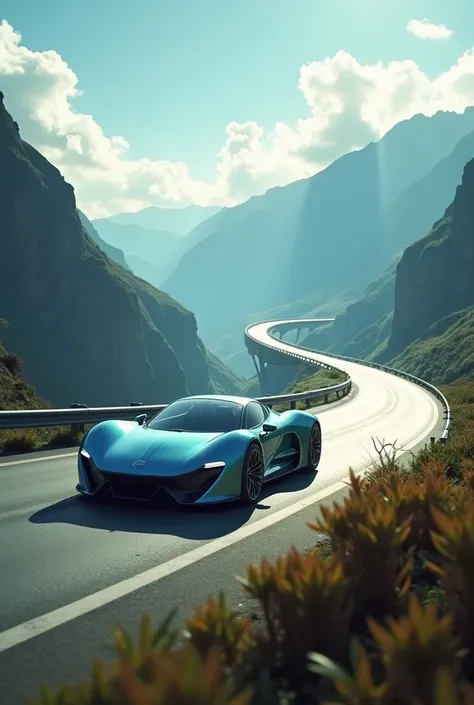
x,y
147,102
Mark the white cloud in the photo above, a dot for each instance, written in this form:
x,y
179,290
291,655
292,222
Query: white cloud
x,y
349,105
424,29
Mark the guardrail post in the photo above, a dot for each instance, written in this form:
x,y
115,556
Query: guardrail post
x,y
308,403
326,398
77,427
292,405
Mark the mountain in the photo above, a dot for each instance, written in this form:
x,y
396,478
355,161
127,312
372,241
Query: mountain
x,y
419,315
433,318
175,220
366,324
113,253
151,254
86,329
338,229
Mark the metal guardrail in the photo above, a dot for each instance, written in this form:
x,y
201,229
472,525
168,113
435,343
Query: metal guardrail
x,y
84,416
390,370
80,415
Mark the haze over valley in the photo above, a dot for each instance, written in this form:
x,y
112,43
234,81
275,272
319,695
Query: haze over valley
x,y
152,275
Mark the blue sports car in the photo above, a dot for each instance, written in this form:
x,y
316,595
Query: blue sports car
x,y
198,450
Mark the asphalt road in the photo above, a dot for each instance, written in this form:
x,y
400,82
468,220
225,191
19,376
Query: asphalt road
x,y
69,571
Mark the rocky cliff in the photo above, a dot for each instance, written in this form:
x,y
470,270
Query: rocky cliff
x,y
434,276
87,329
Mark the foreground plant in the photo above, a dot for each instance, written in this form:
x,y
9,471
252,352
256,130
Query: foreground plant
x,y
368,540
454,540
153,673
215,624
304,600
420,656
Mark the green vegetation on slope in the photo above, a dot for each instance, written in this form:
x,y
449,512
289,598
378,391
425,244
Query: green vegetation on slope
x,y
17,394
446,351
307,380
383,615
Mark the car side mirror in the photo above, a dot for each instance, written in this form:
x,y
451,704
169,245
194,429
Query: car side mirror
x,y
269,427
141,419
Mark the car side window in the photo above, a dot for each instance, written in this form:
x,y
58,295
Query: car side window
x,y
255,415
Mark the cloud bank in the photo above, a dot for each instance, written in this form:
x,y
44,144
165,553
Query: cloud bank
x,y
349,105
424,29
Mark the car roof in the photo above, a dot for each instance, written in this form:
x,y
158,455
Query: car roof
x,y
243,401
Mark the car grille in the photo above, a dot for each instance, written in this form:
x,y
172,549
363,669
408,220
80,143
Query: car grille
x,y
132,486
188,487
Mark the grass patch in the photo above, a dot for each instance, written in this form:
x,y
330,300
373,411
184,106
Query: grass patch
x,y
445,353
319,380
17,440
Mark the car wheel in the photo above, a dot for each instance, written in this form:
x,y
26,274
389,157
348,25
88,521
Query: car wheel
x,y
315,446
252,474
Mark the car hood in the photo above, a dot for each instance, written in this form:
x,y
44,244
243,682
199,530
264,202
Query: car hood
x,y
165,453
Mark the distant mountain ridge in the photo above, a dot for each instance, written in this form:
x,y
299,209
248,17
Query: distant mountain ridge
x,y
315,236
173,220
86,329
114,253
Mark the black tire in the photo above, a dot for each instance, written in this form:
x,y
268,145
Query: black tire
x,y
252,474
315,447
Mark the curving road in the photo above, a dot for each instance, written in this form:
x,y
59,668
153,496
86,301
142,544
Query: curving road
x,y
69,571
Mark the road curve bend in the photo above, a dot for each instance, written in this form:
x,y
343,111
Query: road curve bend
x,y
381,405
71,571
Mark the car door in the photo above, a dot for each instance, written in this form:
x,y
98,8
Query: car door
x,y
256,415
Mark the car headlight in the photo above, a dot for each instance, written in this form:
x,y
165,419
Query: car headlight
x,y
85,454
216,465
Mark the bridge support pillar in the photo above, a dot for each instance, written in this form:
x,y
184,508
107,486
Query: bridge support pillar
x,y
299,333
260,367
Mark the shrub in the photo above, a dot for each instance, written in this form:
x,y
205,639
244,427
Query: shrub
x,y
420,656
152,673
64,436
19,439
295,593
367,539
454,540
13,363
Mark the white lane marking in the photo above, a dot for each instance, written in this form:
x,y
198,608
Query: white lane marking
x,y
44,623
37,460
39,625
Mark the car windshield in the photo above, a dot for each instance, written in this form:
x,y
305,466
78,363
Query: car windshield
x,y
199,416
